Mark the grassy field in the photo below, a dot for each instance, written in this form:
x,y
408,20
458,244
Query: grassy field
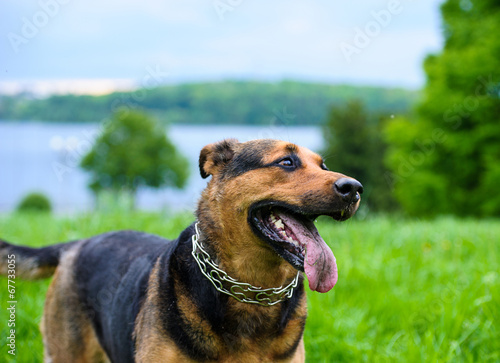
x,y
408,291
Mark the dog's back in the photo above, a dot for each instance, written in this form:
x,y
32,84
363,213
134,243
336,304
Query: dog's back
x,y
111,275
97,291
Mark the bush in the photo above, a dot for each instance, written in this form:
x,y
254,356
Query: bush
x,y
35,202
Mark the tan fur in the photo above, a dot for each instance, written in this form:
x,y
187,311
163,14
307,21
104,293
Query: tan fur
x,y
242,254
152,343
26,268
191,316
223,214
300,354
68,334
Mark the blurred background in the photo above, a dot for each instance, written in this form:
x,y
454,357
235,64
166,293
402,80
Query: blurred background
x,y
105,106
204,70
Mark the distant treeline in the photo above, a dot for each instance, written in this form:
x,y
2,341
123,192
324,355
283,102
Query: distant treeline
x,y
231,102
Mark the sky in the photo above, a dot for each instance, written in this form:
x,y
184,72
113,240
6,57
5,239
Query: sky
x,y
96,46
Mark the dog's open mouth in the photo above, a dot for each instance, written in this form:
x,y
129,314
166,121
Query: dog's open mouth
x,y
295,238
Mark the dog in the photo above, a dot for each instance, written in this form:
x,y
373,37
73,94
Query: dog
x,y
228,289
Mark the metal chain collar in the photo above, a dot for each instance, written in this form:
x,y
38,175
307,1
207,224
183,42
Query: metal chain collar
x,y
241,291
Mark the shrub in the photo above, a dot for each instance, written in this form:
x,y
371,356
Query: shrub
x,y
35,202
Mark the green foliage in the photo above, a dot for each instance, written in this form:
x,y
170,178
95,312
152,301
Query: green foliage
x,y
225,103
408,291
35,202
133,152
354,147
448,160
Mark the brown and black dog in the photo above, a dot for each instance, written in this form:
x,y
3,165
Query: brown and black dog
x,y
227,290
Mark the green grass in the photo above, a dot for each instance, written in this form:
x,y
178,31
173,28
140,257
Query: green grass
x,y
408,291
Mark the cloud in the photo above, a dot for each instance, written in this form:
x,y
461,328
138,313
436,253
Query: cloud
x,y
117,39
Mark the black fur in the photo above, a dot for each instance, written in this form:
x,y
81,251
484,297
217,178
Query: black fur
x,y
212,306
46,256
221,153
111,273
183,270
252,158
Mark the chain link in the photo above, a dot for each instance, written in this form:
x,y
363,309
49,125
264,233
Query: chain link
x,y
241,291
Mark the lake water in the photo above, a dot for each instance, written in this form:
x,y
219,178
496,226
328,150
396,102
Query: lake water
x,y
44,157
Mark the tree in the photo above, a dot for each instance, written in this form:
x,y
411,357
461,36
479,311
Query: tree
x,y
354,147
447,161
225,103
133,152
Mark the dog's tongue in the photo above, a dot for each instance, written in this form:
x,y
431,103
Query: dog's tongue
x,y
319,263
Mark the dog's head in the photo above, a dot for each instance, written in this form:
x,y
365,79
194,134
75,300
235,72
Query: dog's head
x,y
265,195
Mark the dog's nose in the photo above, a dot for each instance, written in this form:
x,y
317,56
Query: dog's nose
x,y
349,189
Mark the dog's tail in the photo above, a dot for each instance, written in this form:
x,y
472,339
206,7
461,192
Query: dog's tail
x,y
30,263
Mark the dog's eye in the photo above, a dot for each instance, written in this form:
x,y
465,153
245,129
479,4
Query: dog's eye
x,y
287,162
323,166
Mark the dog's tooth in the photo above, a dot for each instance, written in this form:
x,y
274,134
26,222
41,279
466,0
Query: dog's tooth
x,y
292,241
279,224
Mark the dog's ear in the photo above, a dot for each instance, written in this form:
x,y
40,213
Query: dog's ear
x,y
215,156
